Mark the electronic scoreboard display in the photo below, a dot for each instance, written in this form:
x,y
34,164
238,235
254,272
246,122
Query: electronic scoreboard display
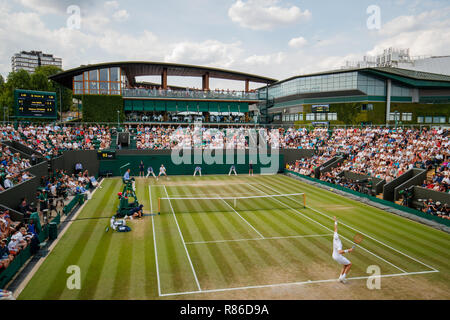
x,y
106,155
320,108
35,104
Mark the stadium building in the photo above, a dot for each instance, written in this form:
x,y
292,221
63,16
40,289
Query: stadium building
x,y
378,95
359,96
142,101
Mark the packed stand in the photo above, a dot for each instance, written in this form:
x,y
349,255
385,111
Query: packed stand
x,y
437,208
13,168
51,140
15,237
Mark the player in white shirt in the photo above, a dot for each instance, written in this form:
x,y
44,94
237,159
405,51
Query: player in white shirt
x,y
338,254
232,169
162,171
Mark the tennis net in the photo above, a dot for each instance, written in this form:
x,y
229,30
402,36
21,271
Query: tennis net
x,y
226,204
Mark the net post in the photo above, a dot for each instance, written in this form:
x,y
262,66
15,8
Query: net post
x,y
304,201
159,204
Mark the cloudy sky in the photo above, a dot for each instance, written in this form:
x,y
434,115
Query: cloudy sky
x,y
273,38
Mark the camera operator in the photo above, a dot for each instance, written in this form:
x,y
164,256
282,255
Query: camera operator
x,y
25,208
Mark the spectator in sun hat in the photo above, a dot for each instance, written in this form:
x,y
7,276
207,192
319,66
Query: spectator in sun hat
x,y
7,183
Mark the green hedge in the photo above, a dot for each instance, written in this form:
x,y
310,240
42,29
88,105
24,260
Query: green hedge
x,y
102,108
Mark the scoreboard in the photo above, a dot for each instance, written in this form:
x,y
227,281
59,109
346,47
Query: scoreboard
x,y
323,108
35,104
106,155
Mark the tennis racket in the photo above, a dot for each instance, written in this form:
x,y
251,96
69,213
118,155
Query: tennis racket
x,y
357,239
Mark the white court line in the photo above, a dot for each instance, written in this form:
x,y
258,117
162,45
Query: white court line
x,y
366,235
244,219
184,243
259,239
293,283
298,212
156,257
150,194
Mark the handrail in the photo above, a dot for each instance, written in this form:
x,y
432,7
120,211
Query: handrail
x,y
191,94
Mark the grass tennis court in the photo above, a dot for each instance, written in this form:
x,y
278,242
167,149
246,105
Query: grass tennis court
x,y
267,248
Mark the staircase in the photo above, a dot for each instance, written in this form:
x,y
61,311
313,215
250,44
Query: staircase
x,y
113,142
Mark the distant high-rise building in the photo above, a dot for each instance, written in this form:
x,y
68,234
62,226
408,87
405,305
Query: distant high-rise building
x,y
30,60
400,58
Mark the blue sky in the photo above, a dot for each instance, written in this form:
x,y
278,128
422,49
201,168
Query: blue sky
x,y
274,38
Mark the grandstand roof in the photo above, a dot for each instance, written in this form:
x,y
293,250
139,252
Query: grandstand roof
x,y
411,77
134,69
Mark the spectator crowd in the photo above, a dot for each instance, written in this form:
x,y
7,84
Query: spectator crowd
x,y
51,140
13,168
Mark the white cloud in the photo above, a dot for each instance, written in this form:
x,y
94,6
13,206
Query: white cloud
x,y
145,46
265,14
111,5
209,52
427,33
121,15
276,58
414,22
298,42
54,6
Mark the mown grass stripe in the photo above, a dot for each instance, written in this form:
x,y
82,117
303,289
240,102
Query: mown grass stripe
x,y
72,255
396,240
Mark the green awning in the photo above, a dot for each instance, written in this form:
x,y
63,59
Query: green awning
x,y
214,106
171,105
128,105
222,107
148,105
243,107
160,105
234,107
182,106
202,106
138,105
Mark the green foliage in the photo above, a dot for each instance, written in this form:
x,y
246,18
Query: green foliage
x,y
102,108
2,83
419,110
37,81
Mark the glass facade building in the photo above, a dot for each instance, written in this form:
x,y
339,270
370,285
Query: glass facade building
x,y
315,84
367,84
108,81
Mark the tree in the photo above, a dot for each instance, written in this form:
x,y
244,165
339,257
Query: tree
x,y
66,94
2,83
19,80
38,81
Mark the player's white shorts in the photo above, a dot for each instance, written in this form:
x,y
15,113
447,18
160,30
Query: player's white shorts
x,y
341,259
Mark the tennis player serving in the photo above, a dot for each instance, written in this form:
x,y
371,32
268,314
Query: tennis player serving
x,y
338,254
